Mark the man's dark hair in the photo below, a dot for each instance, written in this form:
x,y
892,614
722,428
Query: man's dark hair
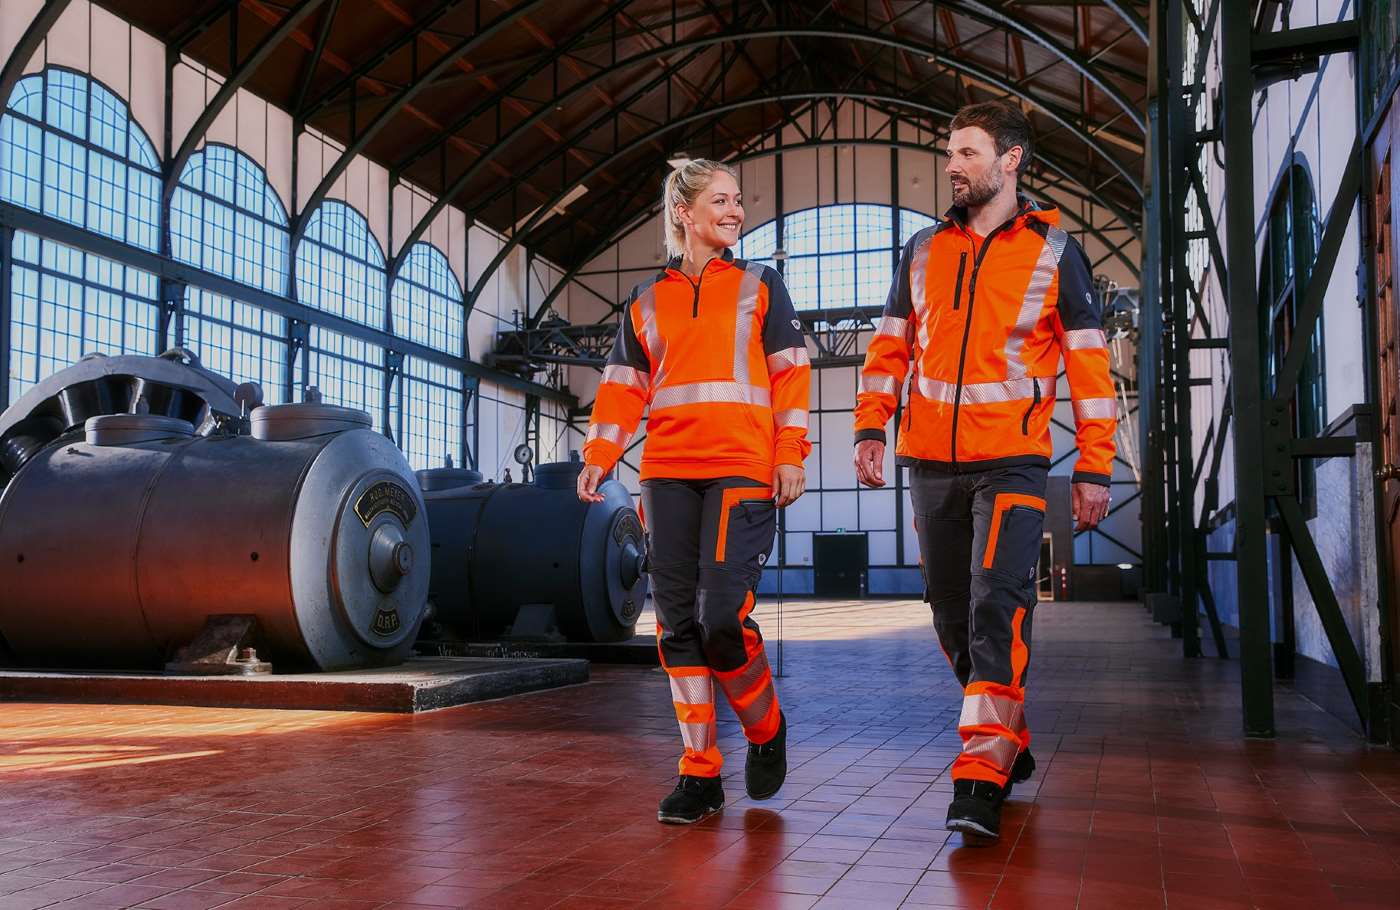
x,y
1004,122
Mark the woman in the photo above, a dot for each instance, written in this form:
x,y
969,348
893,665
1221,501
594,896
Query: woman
x,y
713,346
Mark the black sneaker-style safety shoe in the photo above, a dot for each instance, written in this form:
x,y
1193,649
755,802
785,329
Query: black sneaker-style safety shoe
x,y
1021,771
766,766
976,809
693,799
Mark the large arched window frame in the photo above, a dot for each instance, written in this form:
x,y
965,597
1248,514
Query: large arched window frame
x,y
340,267
427,307
225,218
837,256
70,149
1290,249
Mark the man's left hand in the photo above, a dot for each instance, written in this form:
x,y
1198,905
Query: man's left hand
x,y
1088,505
789,481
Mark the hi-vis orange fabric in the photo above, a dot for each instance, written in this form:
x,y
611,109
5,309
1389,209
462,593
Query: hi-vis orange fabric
x,y
984,327
722,364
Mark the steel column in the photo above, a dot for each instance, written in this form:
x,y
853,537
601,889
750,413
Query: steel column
x,y
1252,578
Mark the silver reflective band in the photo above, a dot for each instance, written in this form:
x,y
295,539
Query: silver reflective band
x,y
996,750
1084,339
609,432
1034,301
892,326
794,417
698,737
875,382
718,392
744,316
651,333
986,392
985,710
786,359
625,375
918,291
693,689
1095,409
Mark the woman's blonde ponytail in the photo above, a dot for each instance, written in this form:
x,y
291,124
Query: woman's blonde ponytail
x,y
682,187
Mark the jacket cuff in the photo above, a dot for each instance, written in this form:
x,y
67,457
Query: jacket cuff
x,y
876,434
1102,480
789,453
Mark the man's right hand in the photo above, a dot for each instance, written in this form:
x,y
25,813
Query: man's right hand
x,y
870,462
588,480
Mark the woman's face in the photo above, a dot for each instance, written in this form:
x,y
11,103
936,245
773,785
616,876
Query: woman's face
x,y
717,215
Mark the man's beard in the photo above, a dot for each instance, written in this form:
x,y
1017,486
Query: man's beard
x,y
972,194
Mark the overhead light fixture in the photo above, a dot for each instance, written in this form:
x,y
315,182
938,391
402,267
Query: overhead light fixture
x,y
678,160
557,209
1125,566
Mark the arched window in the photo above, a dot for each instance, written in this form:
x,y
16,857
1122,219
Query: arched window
x,y
225,218
69,149
427,300
340,267
348,371
837,255
1290,248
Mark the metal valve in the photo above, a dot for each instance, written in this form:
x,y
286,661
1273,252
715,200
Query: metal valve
x,y
1388,472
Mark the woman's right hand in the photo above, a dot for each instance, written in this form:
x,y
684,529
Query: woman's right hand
x,y
588,480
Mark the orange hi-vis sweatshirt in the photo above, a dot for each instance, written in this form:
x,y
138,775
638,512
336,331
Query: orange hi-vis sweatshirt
x,y
984,325
721,366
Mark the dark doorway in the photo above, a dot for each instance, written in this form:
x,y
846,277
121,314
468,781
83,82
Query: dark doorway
x,y
840,562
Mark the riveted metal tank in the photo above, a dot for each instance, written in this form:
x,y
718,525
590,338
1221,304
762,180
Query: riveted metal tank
x,y
500,547
118,541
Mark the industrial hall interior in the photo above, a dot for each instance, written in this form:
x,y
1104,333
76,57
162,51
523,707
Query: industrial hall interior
x,y
699,454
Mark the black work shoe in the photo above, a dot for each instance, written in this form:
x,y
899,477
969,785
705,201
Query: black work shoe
x,y
976,809
1021,771
766,767
693,799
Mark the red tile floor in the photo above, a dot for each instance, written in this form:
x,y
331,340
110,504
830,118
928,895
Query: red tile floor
x,y
1146,794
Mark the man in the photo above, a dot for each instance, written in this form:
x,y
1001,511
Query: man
x,y
983,306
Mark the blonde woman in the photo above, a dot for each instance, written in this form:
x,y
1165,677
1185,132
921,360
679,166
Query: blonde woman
x,y
712,346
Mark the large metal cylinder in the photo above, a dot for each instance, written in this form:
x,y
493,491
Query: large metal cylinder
x,y
500,547
117,545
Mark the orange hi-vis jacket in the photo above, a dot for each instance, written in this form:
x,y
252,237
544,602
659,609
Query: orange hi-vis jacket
x,y
723,366
984,328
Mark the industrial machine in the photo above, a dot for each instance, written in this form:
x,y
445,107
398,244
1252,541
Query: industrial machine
x,y
153,510
530,561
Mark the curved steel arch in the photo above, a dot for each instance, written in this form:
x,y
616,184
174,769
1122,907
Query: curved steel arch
x,y
978,10
1129,16
34,35
617,235
890,104
227,91
458,184
689,117
381,120
760,33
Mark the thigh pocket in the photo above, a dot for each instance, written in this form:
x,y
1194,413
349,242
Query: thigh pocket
x,y
746,527
1013,541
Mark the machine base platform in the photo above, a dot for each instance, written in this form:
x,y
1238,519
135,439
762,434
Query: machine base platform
x,y
421,684
639,650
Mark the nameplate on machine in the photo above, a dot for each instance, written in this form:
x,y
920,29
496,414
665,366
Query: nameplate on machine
x,y
386,496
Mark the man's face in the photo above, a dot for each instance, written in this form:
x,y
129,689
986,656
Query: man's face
x,y
975,169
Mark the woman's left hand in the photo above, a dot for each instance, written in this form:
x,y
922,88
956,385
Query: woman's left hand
x,y
789,481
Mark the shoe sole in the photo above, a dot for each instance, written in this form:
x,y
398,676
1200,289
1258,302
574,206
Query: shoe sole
x,y
967,826
682,820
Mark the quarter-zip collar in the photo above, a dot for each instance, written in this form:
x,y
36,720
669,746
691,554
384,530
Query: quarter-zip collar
x,y
673,269
1027,209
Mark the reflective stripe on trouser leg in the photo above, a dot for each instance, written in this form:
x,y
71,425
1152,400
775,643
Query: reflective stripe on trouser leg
x,y
992,717
693,694
749,689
